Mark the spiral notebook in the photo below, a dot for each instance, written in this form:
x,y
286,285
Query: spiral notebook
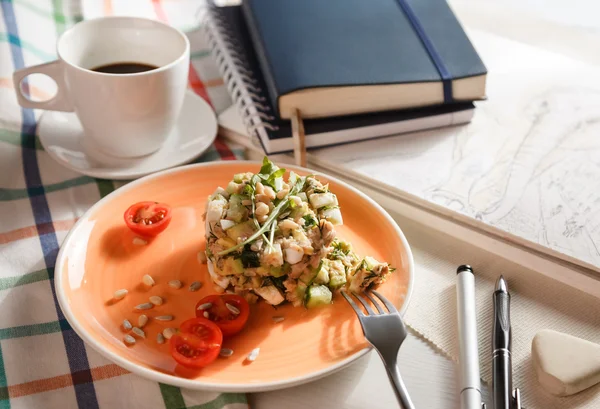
x,y
235,55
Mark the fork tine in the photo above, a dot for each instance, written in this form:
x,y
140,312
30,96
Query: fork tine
x,y
355,307
365,304
375,303
388,304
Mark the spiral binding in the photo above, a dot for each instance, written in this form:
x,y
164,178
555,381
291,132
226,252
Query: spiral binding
x,y
240,82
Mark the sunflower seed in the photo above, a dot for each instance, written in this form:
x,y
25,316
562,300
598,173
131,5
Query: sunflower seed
x,y
142,320
195,286
139,242
206,314
164,318
253,355
169,332
139,332
129,339
232,308
127,325
156,300
176,284
278,319
160,338
201,257
120,294
204,306
148,280
144,306
226,352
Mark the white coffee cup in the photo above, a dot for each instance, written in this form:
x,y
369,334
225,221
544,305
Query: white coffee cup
x,y
123,115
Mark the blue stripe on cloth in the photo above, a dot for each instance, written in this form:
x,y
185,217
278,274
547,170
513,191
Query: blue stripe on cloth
x,y
436,58
75,349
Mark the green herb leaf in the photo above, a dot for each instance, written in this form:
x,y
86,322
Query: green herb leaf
x,y
309,220
274,214
270,181
248,190
267,167
298,186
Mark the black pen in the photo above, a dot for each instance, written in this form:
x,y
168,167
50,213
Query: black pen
x,y
502,391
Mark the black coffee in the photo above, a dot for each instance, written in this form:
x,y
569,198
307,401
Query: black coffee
x,y
124,68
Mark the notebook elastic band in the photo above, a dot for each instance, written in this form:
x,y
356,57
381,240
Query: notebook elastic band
x,y
431,50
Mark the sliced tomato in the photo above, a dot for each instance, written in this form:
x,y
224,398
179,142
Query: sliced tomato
x,y
148,218
203,328
192,351
226,318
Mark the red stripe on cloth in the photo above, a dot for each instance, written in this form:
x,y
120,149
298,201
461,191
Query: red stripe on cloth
x,y
158,10
107,372
223,150
108,8
36,93
63,381
37,230
198,86
215,82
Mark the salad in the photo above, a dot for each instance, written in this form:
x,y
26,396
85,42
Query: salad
x,y
275,239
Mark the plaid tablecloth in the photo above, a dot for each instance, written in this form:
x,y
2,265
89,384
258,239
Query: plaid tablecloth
x,y
43,363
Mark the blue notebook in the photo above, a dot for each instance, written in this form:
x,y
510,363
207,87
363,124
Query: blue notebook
x,y
341,57
234,52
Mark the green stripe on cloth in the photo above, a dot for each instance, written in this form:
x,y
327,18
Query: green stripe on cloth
x,y
199,54
172,396
58,16
11,282
30,330
4,397
15,194
14,138
222,400
42,55
105,186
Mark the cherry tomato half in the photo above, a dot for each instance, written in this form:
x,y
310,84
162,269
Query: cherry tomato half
x,y
148,218
227,319
192,351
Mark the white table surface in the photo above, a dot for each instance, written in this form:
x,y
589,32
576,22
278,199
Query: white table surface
x,y
557,28
430,378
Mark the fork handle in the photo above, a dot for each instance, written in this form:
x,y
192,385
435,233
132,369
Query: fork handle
x,y
399,387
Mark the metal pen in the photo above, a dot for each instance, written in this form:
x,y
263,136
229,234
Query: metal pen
x,y
470,386
502,392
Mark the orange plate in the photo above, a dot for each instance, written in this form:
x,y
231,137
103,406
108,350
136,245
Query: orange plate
x,y
99,257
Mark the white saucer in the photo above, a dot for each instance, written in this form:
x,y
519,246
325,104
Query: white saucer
x,y
61,136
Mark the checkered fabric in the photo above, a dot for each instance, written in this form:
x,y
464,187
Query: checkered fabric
x,y
43,363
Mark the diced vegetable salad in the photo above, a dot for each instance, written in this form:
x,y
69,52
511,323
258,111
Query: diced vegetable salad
x,y
275,239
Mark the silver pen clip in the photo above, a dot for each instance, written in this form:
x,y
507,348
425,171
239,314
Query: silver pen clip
x,y
517,399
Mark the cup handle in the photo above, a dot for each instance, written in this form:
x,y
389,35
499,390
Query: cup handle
x,y
59,102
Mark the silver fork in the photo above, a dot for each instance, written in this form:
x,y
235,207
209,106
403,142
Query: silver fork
x,y
386,332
